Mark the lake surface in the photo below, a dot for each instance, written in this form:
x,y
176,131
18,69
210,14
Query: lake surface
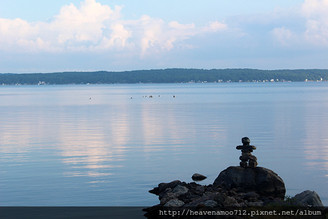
x,y
107,145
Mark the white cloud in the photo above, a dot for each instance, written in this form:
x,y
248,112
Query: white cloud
x,y
313,14
80,24
16,30
96,27
283,35
157,35
317,21
118,37
215,26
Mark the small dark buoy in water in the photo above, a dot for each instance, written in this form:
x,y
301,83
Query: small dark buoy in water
x,y
173,96
198,177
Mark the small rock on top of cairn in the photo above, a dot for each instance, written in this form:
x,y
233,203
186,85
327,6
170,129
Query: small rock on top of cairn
x,y
247,159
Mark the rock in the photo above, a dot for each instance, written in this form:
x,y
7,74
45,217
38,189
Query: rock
x,y
255,204
251,196
200,200
230,202
163,186
235,187
307,198
165,192
260,180
210,203
175,203
166,197
180,190
154,191
199,190
169,194
198,177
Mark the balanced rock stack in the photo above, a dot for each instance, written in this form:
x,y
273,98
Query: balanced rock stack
x,y
247,159
248,177
237,186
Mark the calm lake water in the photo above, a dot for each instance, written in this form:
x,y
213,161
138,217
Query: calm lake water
x,y
107,145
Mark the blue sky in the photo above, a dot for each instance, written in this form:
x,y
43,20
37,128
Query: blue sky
x,y
115,35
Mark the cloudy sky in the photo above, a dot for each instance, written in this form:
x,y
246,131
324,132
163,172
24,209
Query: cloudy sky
x,y
116,35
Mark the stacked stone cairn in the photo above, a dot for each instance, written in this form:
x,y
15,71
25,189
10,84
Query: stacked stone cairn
x,y
247,159
241,186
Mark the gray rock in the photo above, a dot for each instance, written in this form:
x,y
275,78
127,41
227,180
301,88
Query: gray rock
x,y
198,177
164,193
163,186
219,198
307,198
255,204
170,194
199,190
251,196
167,197
180,190
175,203
201,200
261,180
230,202
210,203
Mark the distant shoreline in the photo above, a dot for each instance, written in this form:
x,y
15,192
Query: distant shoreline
x,y
99,84
176,75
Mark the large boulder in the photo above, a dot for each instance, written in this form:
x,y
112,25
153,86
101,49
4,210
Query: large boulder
x,y
307,198
261,180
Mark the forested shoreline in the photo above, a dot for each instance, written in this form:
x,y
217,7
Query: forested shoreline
x,y
178,75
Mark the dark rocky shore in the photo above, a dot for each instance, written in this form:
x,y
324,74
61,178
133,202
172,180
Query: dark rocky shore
x,y
244,186
234,187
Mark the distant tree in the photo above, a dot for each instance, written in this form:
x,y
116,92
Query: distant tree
x,y
174,75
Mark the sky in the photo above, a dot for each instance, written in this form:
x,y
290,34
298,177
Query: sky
x,y
116,35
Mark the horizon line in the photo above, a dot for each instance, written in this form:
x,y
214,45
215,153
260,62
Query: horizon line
x,y
162,69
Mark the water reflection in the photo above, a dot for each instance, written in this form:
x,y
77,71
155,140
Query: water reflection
x,y
122,147
92,147
22,130
160,128
100,144
316,141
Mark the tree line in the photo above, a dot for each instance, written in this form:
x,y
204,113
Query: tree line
x,y
177,75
